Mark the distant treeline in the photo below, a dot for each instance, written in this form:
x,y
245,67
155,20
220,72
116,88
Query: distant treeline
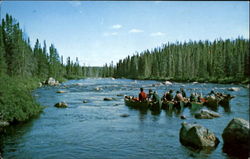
x,y
19,58
220,61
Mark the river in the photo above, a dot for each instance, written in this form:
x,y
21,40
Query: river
x,y
95,129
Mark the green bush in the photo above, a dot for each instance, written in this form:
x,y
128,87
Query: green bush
x,y
16,100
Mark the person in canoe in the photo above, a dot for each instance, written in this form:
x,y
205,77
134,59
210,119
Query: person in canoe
x,y
178,97
183,92
156,101
168,96
150,94
192,98
178,100
142,95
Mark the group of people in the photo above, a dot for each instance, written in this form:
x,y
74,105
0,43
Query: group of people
x,y
151,96
168,96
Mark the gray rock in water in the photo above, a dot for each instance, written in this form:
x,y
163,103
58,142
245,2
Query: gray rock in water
x,y
98,89
61,105
197,136
124,115
60,91
85,101
206,114
119,95
183,117
233,89
108,99
236,136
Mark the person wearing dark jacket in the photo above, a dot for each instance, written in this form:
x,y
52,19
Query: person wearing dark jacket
x,y
169,96
183,93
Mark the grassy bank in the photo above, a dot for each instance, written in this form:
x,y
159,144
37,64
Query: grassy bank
x,y
16,101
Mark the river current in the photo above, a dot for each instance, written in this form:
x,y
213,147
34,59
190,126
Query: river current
x,y
96,129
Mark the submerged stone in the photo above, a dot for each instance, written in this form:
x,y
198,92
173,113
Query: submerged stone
x,y
124,115
183,117
108,99
206,114
60,91
85,101
61,105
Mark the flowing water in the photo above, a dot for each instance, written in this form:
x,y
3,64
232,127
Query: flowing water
x,y
95,129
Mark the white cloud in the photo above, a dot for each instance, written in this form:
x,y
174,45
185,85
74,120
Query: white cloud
x,y
117,26
110,34
135,31
157,34
75,3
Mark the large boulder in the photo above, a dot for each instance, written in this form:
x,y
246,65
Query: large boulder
x,y
234,89
206,114
197,136
61,105
236,137
167,83
52,82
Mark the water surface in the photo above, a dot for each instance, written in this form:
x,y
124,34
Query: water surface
x,y
96,130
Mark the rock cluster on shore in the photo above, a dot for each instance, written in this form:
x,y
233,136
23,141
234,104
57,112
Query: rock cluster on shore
x,y
51,82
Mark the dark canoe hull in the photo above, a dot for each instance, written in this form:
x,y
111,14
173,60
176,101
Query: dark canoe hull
x,y
136,104
167,105
212,102
155,106
179,105
225,101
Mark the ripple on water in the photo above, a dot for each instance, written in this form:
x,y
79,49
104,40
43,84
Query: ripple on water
x,y
96,130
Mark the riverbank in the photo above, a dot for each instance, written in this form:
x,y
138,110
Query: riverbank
x,y
17,103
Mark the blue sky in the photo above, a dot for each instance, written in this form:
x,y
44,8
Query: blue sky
x,y
99,32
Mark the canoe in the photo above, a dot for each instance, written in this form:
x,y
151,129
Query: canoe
x,y
179,105
224,101
136,104
195,106
212,102
155,106
167,105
